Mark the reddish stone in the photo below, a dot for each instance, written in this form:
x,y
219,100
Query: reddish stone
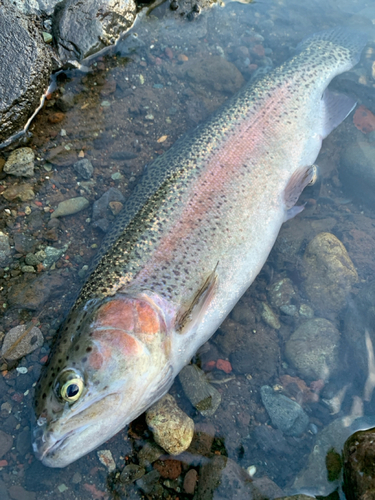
x,y
158,61
210,365
223,365
258,50
168,469
364,120
56,117
3,463
17,397
190,481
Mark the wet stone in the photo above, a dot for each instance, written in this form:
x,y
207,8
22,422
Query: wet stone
x,y
270,317
190,481
168,469
3,491
71,206
33,294
202,395
65,102
313,349
330,273
100,209
77,478
149,453
131,473
32,260
204,434
53,255
173,430
21,340
148,481
23,192
24,243
285,414
84,168
6,443
271,440
281,293
20,163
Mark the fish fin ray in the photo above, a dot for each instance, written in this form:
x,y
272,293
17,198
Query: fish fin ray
x,y
191,314
292,212
335,107
297,183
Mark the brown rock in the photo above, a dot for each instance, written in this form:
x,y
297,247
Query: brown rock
x,y
32,294
56,117
359,466
190,481
6,442
168,469
203,438
23,192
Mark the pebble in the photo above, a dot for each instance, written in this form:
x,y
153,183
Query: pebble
x,y
117,176
106,458
285,414
24,243
23,442
190,481
20,163
169,468
53,254
6,443
131,473
270,317
27,269
5,250
65,102
62,487
100,209
17,343
84,168
203,438
330,273
77,478
149,454
313,349
47,37
306,311
173,430
281,293
23,192
32,260
148,481
19,493
116,207
71,206
202,395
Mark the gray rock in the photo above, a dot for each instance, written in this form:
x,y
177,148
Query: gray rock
x,y
100,209
53,255
5,250
66,102
33,294
23,442
131,473
281,293
20,163
36,7
24,243
4,491
6,442
84,168
32,260
71,206
149,454
357,171
202,395
286,415
148,481
104,21
25,67
313,349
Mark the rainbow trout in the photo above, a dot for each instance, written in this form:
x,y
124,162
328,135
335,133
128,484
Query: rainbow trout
x,y
190,240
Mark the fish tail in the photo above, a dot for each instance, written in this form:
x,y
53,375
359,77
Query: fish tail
x,y
347,38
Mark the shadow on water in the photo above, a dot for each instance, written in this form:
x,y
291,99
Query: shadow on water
x,y
295,347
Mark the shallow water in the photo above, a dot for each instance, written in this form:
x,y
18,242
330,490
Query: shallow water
x,y
161,80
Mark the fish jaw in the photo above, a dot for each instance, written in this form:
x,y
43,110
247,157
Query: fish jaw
x,y
127,368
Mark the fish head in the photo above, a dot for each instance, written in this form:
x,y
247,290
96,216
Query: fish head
x,y
111,362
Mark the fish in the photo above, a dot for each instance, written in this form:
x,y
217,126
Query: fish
x,y
189,241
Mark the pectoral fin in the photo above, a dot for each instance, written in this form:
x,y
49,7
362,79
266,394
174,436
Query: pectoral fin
x,y
300,179
191,313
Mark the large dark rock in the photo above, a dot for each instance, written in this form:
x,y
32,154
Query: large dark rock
x,y
25,67
104,22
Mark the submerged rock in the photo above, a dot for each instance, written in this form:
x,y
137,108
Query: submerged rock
x,y
357,171
286,415
21,340
36,6
202,395
25,69
173,430
5,250
104,21
313,349
69,207
20,163
330,273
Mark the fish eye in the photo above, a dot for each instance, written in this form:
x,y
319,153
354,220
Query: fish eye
x,y
69,386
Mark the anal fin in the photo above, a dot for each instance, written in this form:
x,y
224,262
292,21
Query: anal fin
x,y
191,314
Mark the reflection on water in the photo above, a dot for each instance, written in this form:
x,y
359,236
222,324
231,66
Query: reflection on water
x,y
293,365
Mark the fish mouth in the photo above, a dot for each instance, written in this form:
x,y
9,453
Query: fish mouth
x,y
45,446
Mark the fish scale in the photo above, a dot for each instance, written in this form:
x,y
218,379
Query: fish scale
x,y
191,238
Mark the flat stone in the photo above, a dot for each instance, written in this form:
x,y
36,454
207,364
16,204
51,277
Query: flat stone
x,y
23,192
24,243
202,395
20,163
104,21
131,473
22,82
19,493
21,340
101,207
32,294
